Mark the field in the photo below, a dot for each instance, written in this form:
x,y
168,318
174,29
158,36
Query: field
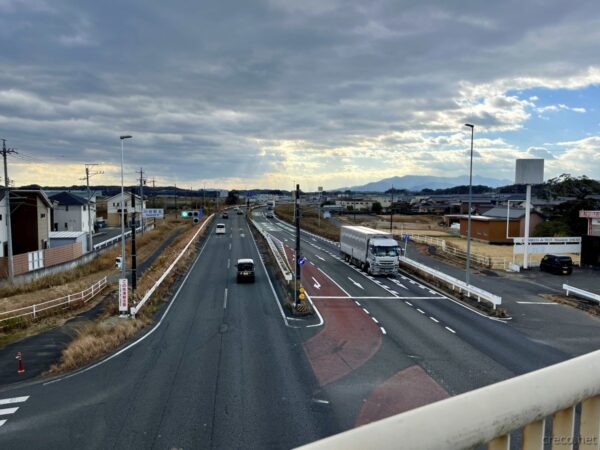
x,y
309,221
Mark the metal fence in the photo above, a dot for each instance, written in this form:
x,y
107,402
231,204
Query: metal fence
x,y
492,262
581,293
34,311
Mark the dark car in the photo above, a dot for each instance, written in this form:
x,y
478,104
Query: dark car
x,y
557,264
225,215
245,270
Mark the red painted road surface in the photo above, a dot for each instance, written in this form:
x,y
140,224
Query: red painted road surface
x,y
349,337
408,389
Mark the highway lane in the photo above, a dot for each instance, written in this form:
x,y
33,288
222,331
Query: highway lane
x,y
446,336
221,371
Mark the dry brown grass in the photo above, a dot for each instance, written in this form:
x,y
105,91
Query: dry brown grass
x,y
97,339
310,221
109,332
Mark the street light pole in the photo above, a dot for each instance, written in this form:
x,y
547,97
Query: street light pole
x,y
122,210
468,271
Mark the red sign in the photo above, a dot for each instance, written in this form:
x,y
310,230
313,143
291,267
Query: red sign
x,y
122,294
589,214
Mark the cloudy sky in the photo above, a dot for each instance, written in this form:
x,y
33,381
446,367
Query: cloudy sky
x,y
242,93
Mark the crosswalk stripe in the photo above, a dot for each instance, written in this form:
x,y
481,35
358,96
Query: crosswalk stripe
x,y
7,401
6,411
2,422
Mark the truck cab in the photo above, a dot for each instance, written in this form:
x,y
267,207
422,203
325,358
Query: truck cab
x,y
382,257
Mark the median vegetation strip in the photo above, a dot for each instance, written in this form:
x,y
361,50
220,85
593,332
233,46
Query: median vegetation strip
x,y
108,331
309,220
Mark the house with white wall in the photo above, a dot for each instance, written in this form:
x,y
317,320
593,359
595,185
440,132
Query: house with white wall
x,y
70,213
113,209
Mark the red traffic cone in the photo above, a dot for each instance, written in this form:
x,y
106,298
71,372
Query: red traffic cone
x,y
20,368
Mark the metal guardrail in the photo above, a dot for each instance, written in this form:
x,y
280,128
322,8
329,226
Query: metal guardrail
x,y
488,415
581,293
135,309
281,262
34,310
114,240
468,289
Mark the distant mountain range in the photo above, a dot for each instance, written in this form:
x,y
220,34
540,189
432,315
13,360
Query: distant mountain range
x,y
419,182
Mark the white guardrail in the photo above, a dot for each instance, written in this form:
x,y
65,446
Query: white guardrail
x,y
134,309
468,289
66,301
488,415
581,293
281,262
115,239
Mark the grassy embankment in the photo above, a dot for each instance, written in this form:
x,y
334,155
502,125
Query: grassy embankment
x,y
309,221
70,282
108,332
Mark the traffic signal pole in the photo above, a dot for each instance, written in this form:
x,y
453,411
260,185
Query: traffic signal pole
x,y
298,256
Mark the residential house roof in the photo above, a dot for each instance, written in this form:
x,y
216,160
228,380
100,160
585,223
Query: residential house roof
x,y
67,198
501,212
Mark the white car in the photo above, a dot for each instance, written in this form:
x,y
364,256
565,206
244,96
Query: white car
x,y
220,228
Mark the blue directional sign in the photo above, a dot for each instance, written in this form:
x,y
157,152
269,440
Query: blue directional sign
x,y
301,260
407,237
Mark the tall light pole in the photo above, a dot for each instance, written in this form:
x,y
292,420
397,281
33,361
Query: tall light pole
x,y
468,271
123,210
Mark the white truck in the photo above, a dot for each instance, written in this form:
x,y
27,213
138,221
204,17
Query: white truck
x,y
374,251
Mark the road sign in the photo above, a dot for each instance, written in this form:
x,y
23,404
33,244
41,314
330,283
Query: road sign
x,y
301,260
407,237
123,295
154,213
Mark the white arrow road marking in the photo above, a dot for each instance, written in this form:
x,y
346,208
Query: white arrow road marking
x,y
357,284
317,284
322,259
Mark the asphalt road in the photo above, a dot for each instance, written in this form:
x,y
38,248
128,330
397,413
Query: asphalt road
x,y
221,371
226,368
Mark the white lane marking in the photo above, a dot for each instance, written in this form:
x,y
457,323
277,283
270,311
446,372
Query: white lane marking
x,y
230,246
335,282
365,311
134,343
358,303
434,319
225,300
357,284
450,330
312,263
377,281
359,297
421,311
318,400
8,401
6,411
394,292
2,422
422,287
228,263
321,258
383,330
412,281
317,284
375,320
537,303
408,303
432,292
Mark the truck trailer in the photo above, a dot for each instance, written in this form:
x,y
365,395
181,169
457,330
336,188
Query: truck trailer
x,y
374,251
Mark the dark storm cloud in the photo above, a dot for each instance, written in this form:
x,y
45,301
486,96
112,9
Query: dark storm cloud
x,y
202,84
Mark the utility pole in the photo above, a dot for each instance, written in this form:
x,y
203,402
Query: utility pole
x,y
89,203
142,181
154,200
175,199
392,212
298,266
133,253
5,151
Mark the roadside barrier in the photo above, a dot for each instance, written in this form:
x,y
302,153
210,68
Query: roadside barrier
x,y
34,311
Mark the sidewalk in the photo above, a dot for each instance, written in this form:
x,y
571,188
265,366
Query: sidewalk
x,y
564,327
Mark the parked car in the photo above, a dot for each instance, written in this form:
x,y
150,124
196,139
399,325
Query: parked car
x,y
245,270
557,264
225,215
220,229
